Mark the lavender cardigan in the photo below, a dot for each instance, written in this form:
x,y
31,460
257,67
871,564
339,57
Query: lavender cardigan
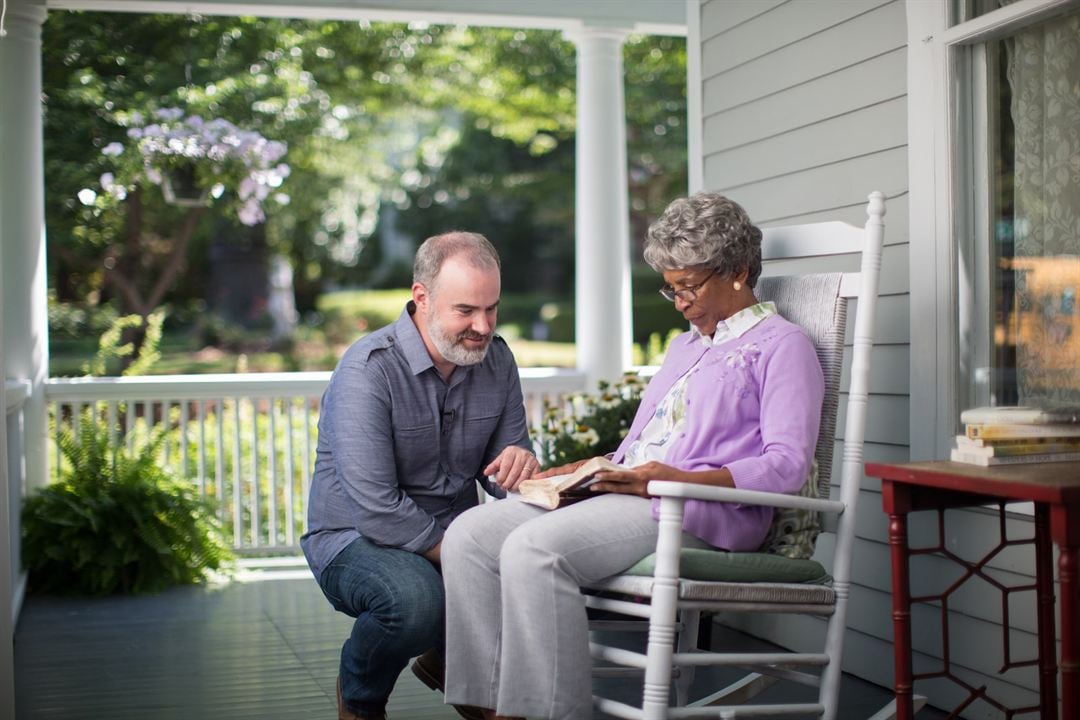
x,y
754,407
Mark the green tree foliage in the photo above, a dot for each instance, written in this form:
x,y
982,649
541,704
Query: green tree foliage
x,y
655,128
518,85
510,173
452,126
521,202
102,68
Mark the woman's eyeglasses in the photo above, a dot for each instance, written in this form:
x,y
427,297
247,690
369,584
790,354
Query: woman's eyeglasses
x,y
688,293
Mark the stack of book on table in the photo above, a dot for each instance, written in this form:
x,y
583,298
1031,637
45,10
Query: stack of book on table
x,y
1013,435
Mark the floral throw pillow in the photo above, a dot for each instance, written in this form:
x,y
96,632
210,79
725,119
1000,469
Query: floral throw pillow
x,y
794,531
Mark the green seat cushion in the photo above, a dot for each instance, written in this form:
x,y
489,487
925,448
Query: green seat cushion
x,y
720,566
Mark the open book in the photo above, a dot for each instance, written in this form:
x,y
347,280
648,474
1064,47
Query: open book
x,y
558,490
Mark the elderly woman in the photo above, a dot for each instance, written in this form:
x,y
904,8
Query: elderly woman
x,y
736,403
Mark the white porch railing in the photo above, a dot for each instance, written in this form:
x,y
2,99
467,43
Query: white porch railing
x,y
247,441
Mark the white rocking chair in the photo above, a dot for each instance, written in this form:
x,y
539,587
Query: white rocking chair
x,y
715,581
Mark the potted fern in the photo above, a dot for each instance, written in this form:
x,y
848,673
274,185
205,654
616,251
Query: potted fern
x,y
117,520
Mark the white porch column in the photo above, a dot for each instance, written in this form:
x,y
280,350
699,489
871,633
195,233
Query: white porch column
x,y
22,222
21,232
602,233
7,570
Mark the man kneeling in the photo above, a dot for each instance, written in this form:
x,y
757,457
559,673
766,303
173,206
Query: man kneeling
x,y
414,415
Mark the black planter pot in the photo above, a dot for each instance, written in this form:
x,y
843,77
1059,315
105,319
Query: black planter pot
x,y
181,189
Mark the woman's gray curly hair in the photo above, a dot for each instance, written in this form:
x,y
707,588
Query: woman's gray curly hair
x,y
705,230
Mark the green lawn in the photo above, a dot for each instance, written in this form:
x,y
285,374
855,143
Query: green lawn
x,y
342,318
69,363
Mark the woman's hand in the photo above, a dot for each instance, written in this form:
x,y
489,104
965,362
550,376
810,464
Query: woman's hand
x,y
635,481
562,469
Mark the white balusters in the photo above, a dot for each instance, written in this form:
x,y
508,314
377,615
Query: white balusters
x,y
271,471
253,458
309,459
219,458
238,525
247,442
290,505
200,468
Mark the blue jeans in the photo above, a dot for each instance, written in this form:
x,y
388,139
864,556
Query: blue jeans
x,y
397,599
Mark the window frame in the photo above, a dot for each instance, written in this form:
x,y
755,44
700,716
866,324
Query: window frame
x,y
949,221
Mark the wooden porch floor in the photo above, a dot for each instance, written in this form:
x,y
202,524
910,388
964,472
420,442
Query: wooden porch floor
x,y
264,647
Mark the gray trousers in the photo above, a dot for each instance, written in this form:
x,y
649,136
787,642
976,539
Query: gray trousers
x,y
517,638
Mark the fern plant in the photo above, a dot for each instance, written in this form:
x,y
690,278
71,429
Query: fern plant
x,y
117,521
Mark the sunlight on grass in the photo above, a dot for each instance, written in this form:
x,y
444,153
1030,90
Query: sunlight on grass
x,y
534,353
381,307
345,316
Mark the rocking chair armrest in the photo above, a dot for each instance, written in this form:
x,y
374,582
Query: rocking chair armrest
x,y
667,488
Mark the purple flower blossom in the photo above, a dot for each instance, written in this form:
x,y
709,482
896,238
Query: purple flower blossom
x,y
247,188
222,155
251,213
168,114
108,182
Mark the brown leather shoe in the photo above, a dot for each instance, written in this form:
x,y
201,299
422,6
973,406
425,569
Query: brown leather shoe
x,y
344,713
430,670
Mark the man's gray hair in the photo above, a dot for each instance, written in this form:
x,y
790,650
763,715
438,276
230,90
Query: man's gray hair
x,y
435,251
705,230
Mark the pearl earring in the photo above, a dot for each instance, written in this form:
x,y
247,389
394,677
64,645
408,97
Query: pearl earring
x,y
737,286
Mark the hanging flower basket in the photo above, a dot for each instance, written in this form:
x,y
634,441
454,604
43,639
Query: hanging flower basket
x,y
180,188
194,161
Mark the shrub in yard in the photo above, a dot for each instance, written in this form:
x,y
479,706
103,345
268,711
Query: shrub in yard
x,y
117,521
70,320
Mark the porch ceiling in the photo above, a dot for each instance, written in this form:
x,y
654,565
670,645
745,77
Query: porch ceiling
x,y
656,17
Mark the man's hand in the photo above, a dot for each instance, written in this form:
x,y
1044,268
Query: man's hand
x,y
513,465
635,481
434,554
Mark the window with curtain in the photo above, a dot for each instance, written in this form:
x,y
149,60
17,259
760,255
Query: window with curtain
x,y
1032,109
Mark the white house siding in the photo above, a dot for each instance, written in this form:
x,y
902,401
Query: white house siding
x,y
804,112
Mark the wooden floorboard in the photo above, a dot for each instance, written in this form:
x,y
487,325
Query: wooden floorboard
x,y
266,650
246,650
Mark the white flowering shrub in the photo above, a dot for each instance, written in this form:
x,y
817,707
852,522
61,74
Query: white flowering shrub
x,y
584,425
213,156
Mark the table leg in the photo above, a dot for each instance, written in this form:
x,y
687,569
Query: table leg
x,y
1070,643
901,612
1044,590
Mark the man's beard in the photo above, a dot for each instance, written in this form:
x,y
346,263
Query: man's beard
x,y
453,348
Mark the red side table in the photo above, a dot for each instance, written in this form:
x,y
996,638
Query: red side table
x,y
1055,490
